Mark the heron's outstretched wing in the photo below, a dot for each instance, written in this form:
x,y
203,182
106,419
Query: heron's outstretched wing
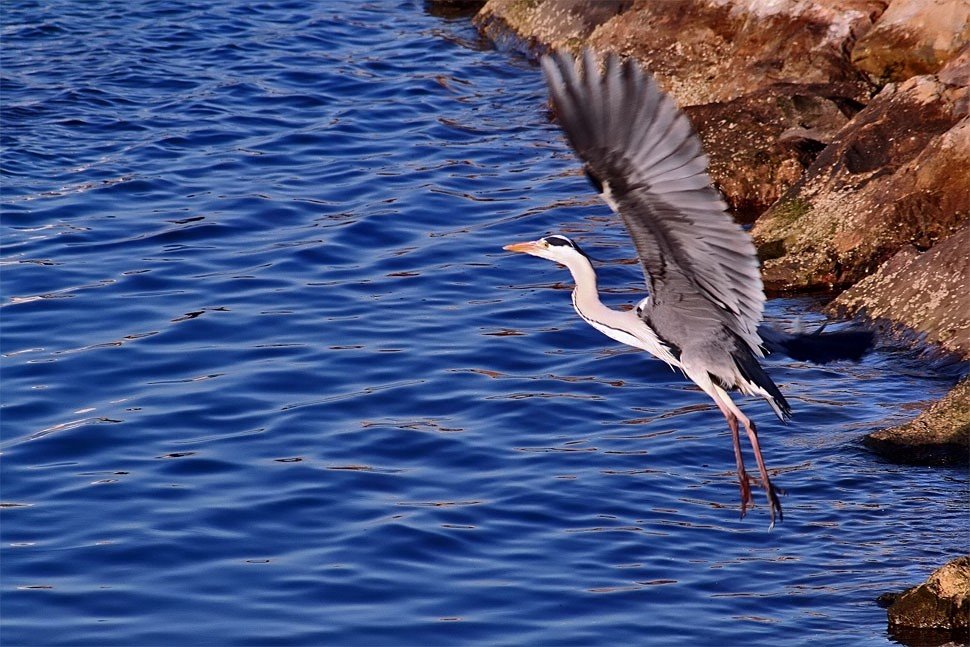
x,y
643,155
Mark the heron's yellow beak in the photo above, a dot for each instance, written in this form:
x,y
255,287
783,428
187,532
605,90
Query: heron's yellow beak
x,y
523,248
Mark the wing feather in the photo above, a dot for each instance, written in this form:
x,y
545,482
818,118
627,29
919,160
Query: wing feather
x,y
636,141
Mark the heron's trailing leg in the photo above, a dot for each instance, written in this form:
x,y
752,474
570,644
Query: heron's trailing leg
x,y
773,503
744,481
733,416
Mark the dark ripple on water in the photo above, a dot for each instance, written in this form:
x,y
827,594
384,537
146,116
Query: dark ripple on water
x,y
268,377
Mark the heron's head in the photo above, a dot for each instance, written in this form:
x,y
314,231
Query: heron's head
x,y
555,248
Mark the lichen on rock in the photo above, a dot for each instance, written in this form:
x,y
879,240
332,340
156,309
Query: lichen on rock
x,y
895,175
701,51
928,292
536,26
938,436
760,144
937,610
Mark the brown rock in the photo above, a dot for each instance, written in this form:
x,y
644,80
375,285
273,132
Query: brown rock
x,y
927,292
536,26
957,70
704,51
941,603
938,436
913,37
701,51
760,144
896,175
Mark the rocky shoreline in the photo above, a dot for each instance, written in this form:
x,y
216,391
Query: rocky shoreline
x,y
841,130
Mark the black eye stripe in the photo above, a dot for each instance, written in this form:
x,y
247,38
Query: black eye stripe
x,y
559,241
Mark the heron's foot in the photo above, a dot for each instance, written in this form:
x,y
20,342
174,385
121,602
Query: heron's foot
x,y
774,503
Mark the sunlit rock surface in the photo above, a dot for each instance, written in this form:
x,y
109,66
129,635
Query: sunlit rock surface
x,y
760,144
701,51
938,436
895,175
926,291
937,611
913,37
535,26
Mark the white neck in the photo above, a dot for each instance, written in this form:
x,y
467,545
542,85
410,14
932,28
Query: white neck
x,y
623,326
584,276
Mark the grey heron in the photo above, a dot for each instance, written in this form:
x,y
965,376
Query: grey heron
x,y
703,312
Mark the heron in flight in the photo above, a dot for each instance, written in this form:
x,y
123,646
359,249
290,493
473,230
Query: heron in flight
x,y
706,300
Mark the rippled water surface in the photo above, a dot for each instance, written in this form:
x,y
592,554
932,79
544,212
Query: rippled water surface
x,y
268,377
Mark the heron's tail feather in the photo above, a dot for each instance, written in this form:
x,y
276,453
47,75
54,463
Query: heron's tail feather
x,y
756,381
818,347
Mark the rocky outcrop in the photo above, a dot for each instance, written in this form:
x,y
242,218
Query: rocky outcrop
x,y
766,84
925,291
938,436
773,88
913,37
536,26
937,611
957,71
701,51
760,144
705,51
895,175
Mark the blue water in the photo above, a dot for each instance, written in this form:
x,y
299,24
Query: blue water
x,y
268,377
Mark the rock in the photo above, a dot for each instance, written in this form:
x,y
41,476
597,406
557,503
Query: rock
x,y
927,292
895,175
701,51
938,436
940,607
957,70
767,83
537,26
913,37
760,144
704,51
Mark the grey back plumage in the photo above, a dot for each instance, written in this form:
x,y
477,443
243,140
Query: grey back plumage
x,y
700,266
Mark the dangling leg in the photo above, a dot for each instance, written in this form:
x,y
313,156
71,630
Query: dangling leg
x,y
770,489
743,478
774,504
721,399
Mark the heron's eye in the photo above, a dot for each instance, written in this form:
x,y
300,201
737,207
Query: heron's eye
x,y
559,241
